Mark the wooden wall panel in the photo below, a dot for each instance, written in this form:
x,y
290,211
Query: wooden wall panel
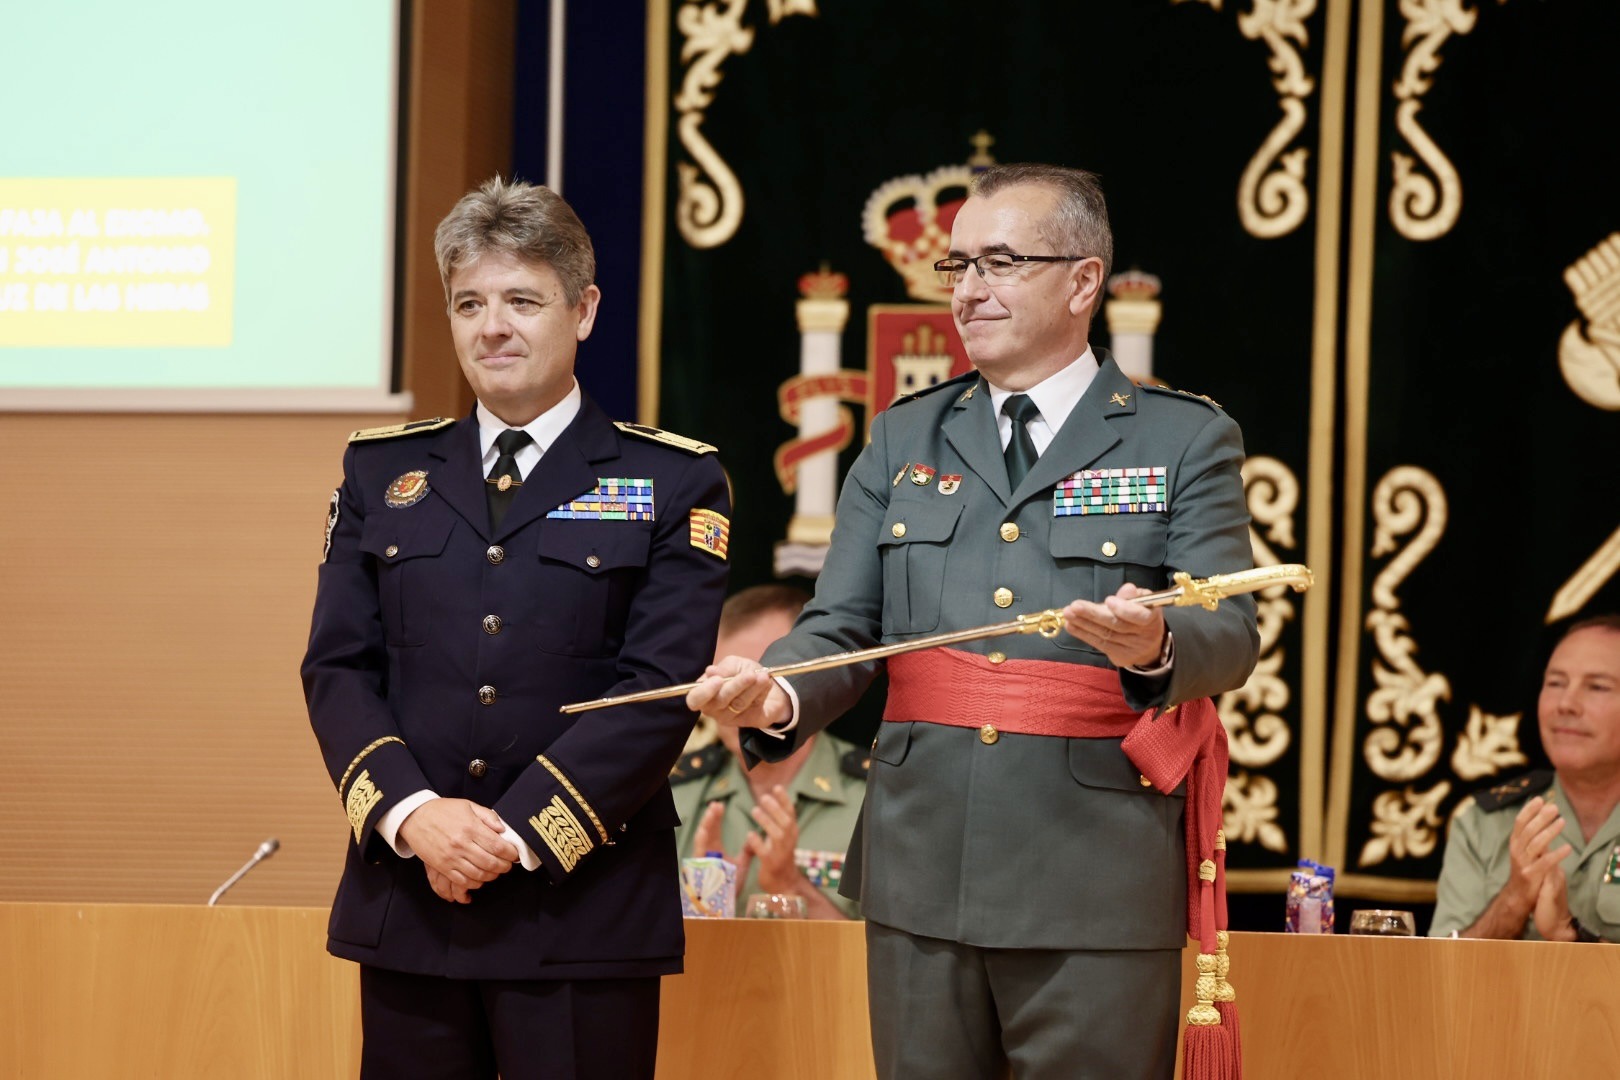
x,y
459,133
156,577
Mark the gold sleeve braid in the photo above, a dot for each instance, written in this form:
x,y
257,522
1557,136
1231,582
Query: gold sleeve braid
x,y
574,794
562,833
384,741
363,799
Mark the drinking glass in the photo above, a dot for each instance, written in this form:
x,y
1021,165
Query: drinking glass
x,y
774,906
1383,922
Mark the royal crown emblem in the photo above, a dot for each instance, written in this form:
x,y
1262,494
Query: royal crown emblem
x,y
909,220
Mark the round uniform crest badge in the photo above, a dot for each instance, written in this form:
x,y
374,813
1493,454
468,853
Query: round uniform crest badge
x,y
407,490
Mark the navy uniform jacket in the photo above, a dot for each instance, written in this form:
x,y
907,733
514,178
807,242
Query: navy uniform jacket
x,y
1026,841
439,655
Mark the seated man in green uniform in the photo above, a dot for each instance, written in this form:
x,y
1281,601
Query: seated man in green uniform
x,y
785,824
1539,857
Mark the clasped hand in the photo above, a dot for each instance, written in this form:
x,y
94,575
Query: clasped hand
x,y
460,844
1535,876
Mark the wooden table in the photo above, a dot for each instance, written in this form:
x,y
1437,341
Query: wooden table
x,y
181,992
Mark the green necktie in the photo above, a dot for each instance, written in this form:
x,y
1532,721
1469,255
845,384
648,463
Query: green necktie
x,y
1020,452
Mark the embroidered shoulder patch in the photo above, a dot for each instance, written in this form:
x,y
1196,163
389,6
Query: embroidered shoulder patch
x,y
332,513
711,531
394,431
668,438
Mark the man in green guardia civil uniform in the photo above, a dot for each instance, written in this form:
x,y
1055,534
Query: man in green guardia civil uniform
x,y
1539,857
785,824
1024,880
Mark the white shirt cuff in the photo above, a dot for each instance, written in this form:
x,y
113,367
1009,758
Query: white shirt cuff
x,y
1166,659
781,730
526,855
388,825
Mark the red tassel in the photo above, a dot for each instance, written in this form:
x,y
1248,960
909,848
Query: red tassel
x,y
1205,1054
1225,994
1206,1044
1234,1038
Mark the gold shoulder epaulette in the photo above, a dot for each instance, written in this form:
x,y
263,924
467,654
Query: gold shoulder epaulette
x,y
1515,791
394,431
965,377
1205,398
668,438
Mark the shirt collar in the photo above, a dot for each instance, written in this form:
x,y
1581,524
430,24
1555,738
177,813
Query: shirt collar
x,y
1058,393
543,429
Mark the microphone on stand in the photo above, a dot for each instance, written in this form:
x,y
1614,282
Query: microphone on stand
x,y
266,849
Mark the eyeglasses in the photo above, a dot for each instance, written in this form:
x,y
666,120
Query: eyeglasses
x,y
996,264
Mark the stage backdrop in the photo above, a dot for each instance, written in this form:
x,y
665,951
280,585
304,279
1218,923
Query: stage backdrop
x,y
1380,235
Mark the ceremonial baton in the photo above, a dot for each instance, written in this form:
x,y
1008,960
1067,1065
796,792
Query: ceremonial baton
x,y
1187,591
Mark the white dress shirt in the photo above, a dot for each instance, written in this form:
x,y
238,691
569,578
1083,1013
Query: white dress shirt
x,y
543,430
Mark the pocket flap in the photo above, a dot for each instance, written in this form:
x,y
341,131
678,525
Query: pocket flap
x,y
1112,538
395,541
914,522
595,546
1100,763
893,740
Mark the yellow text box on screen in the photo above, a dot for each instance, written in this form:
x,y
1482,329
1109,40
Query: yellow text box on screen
x,y
117,262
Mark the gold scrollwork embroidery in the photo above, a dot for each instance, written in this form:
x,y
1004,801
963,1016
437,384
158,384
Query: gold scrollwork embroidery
x,y
1272,197
1249,812
1487,745
1405,824
562,833
1422,208
1272,493
1404,499
709,206
362,800
1590,363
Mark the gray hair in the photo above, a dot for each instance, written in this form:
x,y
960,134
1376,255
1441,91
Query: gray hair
x,y
1079,225
526,221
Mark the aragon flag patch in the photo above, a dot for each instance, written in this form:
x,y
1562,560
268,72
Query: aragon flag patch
x,y
711,531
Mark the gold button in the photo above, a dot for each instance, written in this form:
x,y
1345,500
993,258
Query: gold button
x,y
486,694
477,767
997,658
496,554
593,561
391,550
492,624
1003,597
1009,531
899,529
1109,548
1144,780
988,734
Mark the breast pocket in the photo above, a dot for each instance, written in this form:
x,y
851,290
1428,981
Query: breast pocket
x,y
1094,554
406,548
914,543
589,573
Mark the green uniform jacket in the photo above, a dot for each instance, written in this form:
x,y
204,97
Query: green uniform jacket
x,y
1032,841
826,799
1477,865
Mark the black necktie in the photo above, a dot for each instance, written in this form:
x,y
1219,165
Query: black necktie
x,y
1020,452
504,478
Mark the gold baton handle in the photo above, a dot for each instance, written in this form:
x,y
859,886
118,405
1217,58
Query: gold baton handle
x,y
1187,592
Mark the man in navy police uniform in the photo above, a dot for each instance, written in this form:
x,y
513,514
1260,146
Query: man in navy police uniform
x,y
508,890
